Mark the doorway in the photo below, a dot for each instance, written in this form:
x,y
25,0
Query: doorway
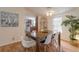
x,y
31,25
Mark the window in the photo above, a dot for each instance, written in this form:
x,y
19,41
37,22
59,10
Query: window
x,y
32,19
57,24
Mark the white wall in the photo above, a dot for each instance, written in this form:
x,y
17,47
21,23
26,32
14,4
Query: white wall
x,y
13,34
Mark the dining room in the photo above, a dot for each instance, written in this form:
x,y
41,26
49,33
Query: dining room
x,y
36,29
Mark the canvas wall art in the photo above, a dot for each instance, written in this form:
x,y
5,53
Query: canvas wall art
x,y
8,19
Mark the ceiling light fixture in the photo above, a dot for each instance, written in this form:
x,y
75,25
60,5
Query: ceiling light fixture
x,y
50,12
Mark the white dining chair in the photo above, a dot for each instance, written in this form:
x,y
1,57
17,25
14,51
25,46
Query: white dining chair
x,y
56,41
48,39
28,42
47,42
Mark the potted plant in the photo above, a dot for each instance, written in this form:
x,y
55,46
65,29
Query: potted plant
x,y
73,24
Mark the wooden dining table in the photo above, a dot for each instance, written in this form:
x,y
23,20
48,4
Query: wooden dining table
x,y
38,36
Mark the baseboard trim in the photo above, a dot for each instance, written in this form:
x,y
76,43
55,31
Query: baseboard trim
x,y
9,43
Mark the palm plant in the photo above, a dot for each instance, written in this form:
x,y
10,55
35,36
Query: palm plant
x,y
73,23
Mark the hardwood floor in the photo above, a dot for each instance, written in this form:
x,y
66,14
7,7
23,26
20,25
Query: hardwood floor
x,y
17,47
68,47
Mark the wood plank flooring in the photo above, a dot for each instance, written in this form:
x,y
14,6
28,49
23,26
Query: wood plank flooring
x,y
17,47
68,47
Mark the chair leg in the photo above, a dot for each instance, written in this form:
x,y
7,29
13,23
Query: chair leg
x,y
45,48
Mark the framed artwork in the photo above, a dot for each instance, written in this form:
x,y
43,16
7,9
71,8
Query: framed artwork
x,y
8,19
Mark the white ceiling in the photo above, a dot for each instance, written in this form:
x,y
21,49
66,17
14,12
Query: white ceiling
x,y
44,10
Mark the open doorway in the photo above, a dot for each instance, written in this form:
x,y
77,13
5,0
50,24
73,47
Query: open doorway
x,y
31,25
